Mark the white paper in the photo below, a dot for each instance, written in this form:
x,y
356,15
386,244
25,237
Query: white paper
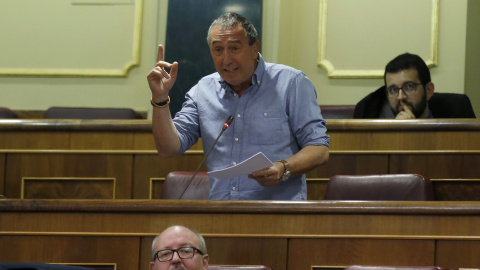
x,y
257,162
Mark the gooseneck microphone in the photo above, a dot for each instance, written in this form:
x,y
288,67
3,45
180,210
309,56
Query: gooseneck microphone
x,y
225,126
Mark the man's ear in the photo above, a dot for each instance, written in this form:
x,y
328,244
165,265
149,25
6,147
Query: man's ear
x,y
152,265
205,261
256,48
430,89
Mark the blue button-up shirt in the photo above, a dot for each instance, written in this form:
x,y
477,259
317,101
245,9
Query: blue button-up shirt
x,y
278,115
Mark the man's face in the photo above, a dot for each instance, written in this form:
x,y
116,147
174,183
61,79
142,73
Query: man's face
x,y
177,237
416,102
233,58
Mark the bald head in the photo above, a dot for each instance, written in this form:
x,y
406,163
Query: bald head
x,y
193,235
174,238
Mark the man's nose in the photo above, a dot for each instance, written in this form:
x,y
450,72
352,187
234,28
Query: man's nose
x,y
226,57
176,258
401,94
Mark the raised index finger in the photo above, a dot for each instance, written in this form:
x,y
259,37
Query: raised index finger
x,y
406,108
160,53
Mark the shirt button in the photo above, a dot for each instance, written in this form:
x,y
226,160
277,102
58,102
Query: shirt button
x,y
265,114
234,163
238,115
236,139
258,82
235,94
233,188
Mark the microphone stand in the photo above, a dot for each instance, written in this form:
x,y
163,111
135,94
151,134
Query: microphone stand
x,y
225,126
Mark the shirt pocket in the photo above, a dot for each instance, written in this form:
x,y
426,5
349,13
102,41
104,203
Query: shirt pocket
x,y
268,127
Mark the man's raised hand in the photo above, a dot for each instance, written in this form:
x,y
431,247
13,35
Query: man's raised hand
x,y
159,80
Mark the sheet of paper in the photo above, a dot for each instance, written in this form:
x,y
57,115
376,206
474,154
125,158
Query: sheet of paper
x,y
256,162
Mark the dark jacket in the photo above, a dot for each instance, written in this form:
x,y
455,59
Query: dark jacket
x,y
442,105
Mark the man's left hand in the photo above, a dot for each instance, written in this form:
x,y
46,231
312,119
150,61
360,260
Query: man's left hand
x,y
269,177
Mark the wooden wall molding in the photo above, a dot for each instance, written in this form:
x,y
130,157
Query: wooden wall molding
x,y
156,187
68,188
336,73
91,72
436,149
335,233
253,235
327,267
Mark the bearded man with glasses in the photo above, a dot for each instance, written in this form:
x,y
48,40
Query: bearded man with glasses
x,y
408,93
409,87
179,247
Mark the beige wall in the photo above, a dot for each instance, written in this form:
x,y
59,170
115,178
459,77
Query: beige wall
x,y
291,31
472,56
41,92
298,48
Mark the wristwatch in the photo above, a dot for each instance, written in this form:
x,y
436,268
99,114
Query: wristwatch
x,y
286,172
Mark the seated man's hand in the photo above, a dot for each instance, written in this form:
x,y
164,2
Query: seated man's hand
x,y
406,113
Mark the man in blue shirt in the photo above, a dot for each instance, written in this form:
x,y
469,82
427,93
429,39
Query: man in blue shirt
x,y
275,111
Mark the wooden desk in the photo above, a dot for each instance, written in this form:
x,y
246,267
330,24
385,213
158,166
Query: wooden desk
x,y
116,159
284,235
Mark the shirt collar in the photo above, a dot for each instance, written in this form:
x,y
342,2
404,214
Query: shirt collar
x,y
258,74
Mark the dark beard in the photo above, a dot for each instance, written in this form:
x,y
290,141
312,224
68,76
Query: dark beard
x,y
422,105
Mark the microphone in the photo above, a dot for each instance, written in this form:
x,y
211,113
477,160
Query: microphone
x,y
225,126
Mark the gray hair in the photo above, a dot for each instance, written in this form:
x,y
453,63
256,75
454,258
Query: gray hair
x,y
231,19
201,240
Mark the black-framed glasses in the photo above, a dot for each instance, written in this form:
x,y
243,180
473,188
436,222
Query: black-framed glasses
x,y
408,88
166,255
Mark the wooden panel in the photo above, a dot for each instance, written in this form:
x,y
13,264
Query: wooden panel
x,y
87,251
412,135
100,141
456,189
462,170
34,140
146,255
346,135
343,164
316,188
113,166
147,167
2,174
437,149
249,218
455,254
68,188
351,164
437,165
285,235
307,253
235,251
251,251
321,267
97,266
143,141
152,166
156,188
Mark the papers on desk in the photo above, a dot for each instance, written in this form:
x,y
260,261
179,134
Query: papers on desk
x,y
256,162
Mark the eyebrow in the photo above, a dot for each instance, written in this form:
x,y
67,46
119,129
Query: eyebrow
x,y
182,245
402,83
229,42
